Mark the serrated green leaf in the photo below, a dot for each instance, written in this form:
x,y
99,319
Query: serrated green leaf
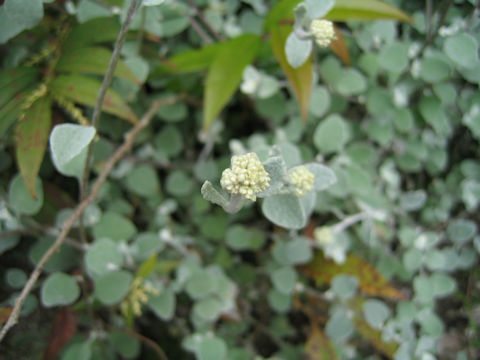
x,y
84,90
345,10
225,73
31,137
93,60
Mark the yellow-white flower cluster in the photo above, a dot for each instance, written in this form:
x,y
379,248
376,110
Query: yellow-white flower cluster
x,y
302,179
246,177
139,293
323,32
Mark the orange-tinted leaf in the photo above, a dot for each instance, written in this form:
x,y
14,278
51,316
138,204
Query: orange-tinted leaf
x,y
4,314
31,137
339,47
319,346
371,282
84,90
300,78
63,329
374,336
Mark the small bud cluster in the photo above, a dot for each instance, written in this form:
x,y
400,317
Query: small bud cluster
x,y
246,177
302,179
323,32
74,112
138,297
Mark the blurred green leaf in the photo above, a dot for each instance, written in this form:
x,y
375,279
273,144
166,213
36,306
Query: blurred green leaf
x,y
345,10
31,137
20,198
92,60
300,78
84,90
112,287
59,289
225,73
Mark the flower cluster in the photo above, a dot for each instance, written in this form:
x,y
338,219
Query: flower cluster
x,y
323,32
138,297
246,177
302,179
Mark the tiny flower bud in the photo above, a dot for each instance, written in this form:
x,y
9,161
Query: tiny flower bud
x,y
302,179
323,32
246,177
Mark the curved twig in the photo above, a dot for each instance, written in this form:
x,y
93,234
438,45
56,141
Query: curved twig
x,y
68,224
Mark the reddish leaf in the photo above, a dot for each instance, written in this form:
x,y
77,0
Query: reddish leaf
x,y
371,282
319,346
31,137
300,78
64,327
339,47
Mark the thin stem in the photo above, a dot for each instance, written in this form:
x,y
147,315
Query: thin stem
x,y
134,4
349,221
203,35
107,80
204,21
68,224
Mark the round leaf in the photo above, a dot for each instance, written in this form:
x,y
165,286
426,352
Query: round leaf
x,y
68,145
297,50
103,256
284,210
462,49
112,287
20,199
331,134
59,289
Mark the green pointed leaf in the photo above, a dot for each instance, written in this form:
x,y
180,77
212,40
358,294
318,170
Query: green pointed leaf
x,y
11,111
31,137
93,60
225,73
345,10
59,289
189,61
13,81
84,90
92,32
300,78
